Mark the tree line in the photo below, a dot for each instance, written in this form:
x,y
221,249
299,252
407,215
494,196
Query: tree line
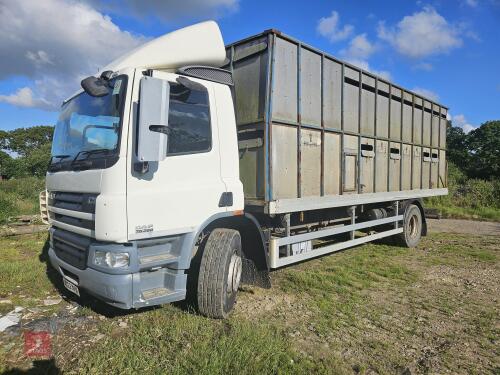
x,y
26,151
476,154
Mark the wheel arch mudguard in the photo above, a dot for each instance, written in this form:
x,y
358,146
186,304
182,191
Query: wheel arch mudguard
x,y
253,241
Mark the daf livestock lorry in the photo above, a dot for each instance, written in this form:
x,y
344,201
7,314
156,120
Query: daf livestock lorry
x,y
190,165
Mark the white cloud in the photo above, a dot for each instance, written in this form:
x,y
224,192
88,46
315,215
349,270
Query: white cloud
x,y
471,3
359,48
55,43
357,53
426,93
39,57
461,122
422,34
329,27
24,98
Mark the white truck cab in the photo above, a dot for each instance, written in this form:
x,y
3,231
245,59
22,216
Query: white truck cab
x,y
124,218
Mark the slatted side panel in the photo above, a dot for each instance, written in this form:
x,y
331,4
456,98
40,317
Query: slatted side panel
x,y
317,126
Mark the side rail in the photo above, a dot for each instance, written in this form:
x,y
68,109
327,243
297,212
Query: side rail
x,y
291,249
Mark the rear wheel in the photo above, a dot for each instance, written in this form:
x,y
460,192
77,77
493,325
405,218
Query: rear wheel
x,y
412,227
220,273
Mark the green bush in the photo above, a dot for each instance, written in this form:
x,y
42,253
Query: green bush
x,y
20,197
468,197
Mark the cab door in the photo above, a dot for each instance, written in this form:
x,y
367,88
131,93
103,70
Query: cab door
x,y
179,193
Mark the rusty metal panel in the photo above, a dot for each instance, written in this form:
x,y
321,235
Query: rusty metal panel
x,y
426,167
367,164
284,161
416,175
310,162
249,74
383,110
395,126
443,179
434,168
394,166
442,132
350,164
368,106
285,81
407,117
381,164
332,164
406,158
426,141
310,85
332,98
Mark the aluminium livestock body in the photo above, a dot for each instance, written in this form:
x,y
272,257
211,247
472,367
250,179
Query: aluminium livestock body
x,y
310,129
316,133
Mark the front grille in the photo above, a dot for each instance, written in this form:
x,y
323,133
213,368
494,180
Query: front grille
x,y
71,247
82,202
78,202
82,223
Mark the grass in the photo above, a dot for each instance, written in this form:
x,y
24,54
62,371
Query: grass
x,y
373,309
23,276
173,342
456,212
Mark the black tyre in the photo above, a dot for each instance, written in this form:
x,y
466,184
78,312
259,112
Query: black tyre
x,y
220,273
412,227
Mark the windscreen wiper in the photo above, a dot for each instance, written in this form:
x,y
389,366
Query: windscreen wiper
x,y
60,157
86,153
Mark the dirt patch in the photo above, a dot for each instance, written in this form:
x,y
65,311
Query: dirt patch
x,y
481,228
15,230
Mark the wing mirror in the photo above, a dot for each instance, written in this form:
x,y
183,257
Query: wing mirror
x,y
153,120
96,87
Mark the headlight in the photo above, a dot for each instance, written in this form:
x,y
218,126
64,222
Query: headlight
x,y
109,259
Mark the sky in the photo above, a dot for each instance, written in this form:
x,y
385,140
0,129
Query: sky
x,y
447,50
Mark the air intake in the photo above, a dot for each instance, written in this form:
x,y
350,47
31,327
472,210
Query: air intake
x,y
208,73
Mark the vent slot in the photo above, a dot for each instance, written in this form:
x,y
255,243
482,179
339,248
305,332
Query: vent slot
x,y
208,73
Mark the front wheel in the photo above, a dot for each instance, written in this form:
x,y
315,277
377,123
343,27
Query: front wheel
x,y
220,273
412,227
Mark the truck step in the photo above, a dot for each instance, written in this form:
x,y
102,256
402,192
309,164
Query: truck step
x,y
156,293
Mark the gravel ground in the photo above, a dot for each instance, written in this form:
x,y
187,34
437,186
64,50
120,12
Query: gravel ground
x,y
482,228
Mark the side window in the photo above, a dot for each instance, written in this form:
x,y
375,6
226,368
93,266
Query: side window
x,y
188,120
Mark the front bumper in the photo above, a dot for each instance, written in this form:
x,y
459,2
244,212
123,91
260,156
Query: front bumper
x,y
115,290
153,277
